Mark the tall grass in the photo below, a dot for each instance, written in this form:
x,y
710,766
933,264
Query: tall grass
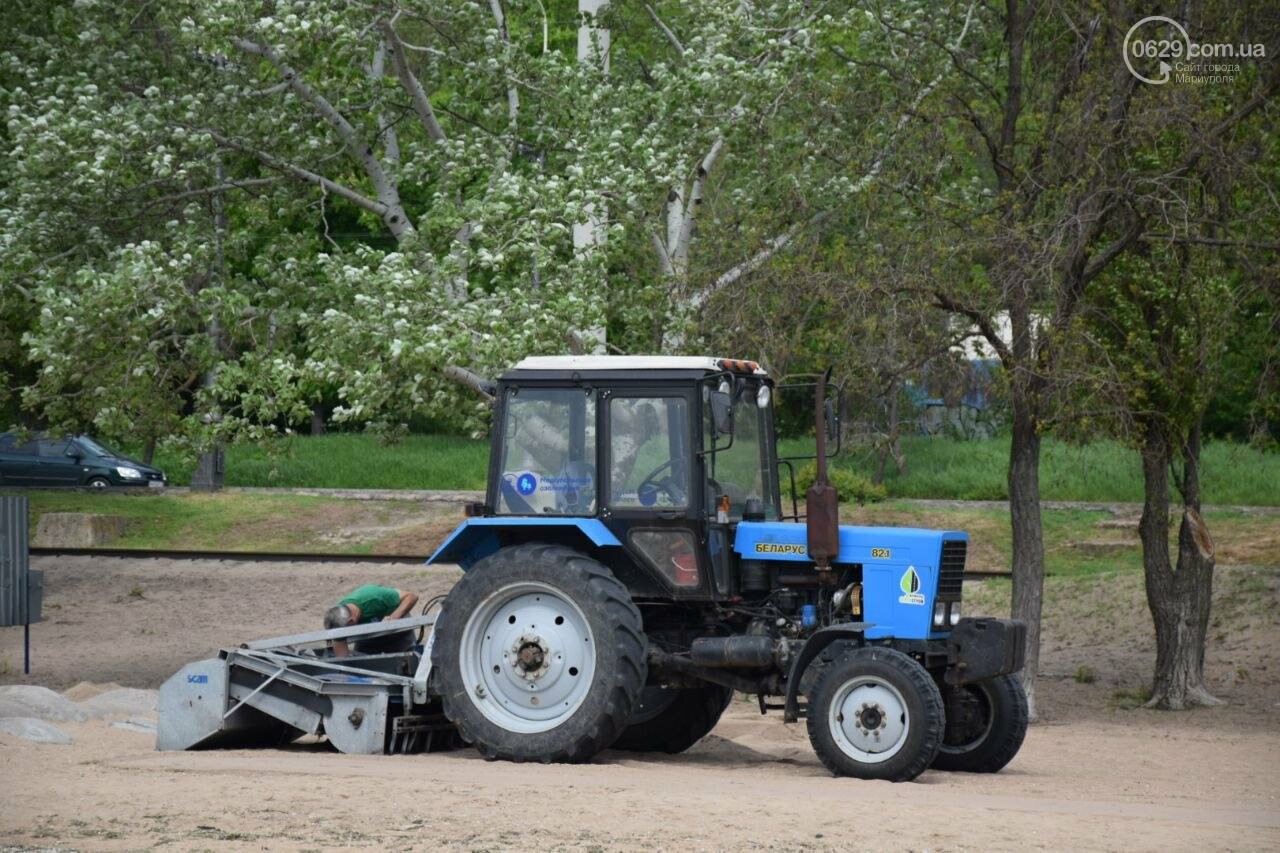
x,y
936,467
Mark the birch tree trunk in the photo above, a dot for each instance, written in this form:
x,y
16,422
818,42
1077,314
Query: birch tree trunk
x,y
593,50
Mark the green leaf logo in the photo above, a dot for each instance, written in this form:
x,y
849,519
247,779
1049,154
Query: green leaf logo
x,y
910,581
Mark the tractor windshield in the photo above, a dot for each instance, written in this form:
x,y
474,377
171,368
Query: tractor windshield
x,y
742,470
548,452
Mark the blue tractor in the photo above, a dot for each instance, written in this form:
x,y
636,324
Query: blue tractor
x,y
632,566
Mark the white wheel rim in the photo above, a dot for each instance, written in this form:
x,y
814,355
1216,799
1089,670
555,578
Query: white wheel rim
x,y
527,657
869,720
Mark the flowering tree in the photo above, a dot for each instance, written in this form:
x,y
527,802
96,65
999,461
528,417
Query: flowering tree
x,y
234,210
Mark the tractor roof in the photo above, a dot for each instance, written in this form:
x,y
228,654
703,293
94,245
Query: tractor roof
x,y
616,363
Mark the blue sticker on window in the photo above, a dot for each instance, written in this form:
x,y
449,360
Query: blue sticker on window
x,y
526,484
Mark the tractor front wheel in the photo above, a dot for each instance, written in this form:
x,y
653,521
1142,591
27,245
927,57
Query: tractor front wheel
x,y
540,654
986,723
875,714
672,719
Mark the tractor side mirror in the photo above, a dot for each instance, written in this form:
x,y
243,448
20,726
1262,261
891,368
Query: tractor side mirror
x,y
832,419
721,413
722,410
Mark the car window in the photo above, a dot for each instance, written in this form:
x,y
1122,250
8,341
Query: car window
x,y
53,446
8,440
94,447
13,448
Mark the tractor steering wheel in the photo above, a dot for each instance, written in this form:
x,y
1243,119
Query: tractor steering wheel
x,y
670,484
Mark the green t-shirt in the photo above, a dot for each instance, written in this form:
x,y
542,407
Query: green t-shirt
x,y
375,602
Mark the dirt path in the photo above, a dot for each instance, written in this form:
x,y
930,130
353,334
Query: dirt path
x,y
1094,777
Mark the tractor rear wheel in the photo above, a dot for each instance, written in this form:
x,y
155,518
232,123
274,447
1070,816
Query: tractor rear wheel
x,y
540,654
985,727
875,714
672,719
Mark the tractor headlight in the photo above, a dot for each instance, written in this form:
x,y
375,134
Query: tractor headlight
x,y
939,614
955,614
129,473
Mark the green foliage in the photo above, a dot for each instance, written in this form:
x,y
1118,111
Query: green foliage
x,y
857,181
850,485
1129,700
1246,404
422,247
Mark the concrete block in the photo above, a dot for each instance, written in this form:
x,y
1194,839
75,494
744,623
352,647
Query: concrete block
x,y
77,530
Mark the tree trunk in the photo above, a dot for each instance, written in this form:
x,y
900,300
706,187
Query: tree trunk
x,y
1179,599
1028,535
149,451
317,419
891,447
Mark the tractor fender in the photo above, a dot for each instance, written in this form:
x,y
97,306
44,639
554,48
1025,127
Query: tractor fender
x,y
814,646
477,538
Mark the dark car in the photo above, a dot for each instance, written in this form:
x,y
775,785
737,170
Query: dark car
x,y
70,461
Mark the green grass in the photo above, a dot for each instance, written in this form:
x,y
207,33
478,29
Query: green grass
x,y
1101,471
215,522
351,461
936,467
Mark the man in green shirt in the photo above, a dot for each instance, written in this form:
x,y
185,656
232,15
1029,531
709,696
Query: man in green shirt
x,y
372,603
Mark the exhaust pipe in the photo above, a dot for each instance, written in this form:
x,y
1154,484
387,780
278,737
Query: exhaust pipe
x,y
822,502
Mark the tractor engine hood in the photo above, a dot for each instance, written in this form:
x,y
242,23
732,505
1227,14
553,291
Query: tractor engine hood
x,y
901,569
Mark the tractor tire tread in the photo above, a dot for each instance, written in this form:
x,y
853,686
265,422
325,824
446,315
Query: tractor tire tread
x,y
1007,731
610,599
692,715
929,723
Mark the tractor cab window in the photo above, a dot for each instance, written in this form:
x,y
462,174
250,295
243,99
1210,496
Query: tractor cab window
x,y
648,452
740,470
548,452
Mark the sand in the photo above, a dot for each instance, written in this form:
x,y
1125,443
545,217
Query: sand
x,y
1092,777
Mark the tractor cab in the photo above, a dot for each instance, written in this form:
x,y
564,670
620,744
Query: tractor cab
x,y
608,436
658,454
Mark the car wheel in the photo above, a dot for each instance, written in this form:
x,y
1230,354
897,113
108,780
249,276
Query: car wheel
x,y
98,483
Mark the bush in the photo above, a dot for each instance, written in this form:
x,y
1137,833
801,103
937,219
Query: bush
x,y
851,485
